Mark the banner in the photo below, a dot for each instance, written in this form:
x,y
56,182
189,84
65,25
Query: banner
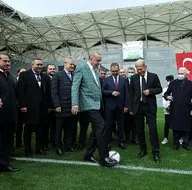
x,y
185,60
132,50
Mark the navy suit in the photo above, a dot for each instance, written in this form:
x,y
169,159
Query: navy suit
x,y
114,105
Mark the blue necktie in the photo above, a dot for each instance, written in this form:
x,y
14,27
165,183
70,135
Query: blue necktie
x,y
38,77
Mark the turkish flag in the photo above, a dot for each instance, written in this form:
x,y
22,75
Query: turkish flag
x,y
185,60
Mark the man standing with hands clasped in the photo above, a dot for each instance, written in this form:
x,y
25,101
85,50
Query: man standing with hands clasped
x,y
86,96
143,88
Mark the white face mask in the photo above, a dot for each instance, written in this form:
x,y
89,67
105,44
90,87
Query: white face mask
x,y
181,76
129,75
168,83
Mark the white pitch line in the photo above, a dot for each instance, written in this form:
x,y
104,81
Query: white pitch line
x,y
137,168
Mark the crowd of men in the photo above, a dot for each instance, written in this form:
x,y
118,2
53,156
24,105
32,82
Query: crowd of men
x,y
117,106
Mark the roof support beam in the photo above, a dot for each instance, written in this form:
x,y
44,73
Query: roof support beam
x,y
169,30
145,27
99,31
121,26
79,32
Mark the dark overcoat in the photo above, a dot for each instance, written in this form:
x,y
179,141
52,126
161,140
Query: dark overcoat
x,y
37,99
181,106
8,112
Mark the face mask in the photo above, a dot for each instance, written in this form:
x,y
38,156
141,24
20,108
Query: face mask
x,y
181,76
168,83
129,75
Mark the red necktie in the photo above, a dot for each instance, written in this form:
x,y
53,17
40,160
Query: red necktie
x,y
116,83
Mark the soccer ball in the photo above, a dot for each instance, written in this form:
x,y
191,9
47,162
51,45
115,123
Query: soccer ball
x,y
114,155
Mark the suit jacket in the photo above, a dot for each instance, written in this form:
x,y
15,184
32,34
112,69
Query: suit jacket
x,y
8,112
181,106
86,93
61,93
154,86
36,99
111,102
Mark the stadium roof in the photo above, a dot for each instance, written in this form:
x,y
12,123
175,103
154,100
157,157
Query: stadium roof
x,y
54,37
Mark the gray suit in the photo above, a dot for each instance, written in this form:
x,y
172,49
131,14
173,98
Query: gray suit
x,y
86,93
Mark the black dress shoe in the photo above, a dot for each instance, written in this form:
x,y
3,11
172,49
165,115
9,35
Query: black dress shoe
x,y
59,152
19,145
186,147
176,147
81,147
40,151
121,145
141,154
134,142
156,158
9,169
91,159
108,162
28,155
69,149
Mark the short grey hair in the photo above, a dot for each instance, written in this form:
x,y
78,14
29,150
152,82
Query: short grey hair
x,y
184,69
69,58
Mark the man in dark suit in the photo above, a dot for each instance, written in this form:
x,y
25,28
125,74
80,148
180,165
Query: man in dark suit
x,y
20,122
61,97
115,92
33,89
143,88
130,128
8,112
49,129
86,96
179,92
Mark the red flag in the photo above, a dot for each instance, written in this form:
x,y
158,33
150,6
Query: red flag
x,y
185,60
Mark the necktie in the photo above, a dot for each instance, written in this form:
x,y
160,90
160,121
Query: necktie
x,y
69,75
116,83
144,87
38,78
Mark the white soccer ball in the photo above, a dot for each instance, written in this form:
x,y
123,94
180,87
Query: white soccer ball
x,y
114,155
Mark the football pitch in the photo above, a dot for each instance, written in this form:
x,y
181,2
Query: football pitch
x,y
70,172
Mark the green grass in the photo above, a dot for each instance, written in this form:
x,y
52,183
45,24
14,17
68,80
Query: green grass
x,y
51,176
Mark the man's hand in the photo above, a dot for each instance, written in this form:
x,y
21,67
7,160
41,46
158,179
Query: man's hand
x,y
24,110
1,103
191,113
170,98
146,92
115,93
74,109
125,110
58,109
131,113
